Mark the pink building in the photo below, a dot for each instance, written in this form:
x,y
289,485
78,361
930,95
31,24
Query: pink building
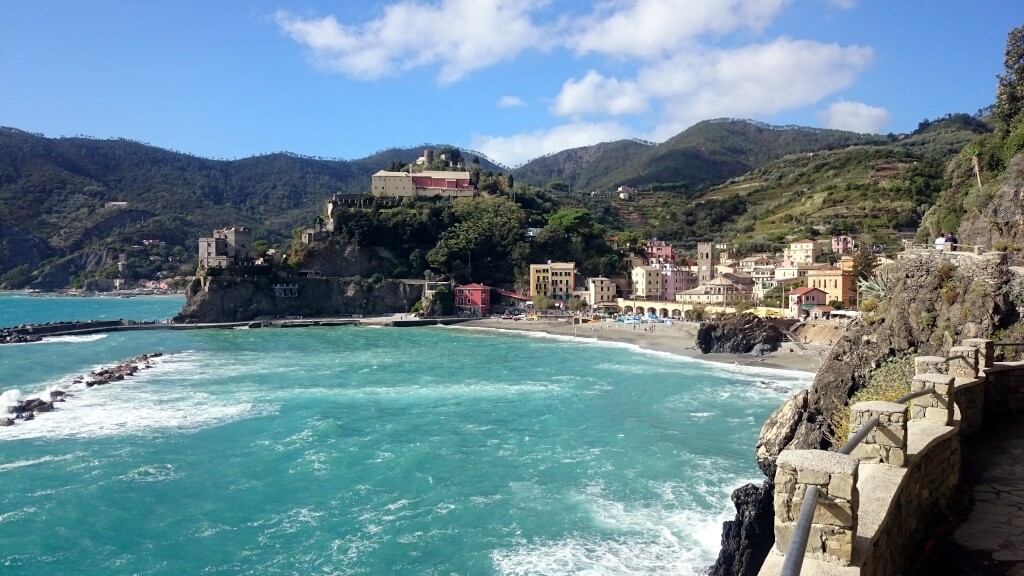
x,y
659,252
803,300
842,245
474,299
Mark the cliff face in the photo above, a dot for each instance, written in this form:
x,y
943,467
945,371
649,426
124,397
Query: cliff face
x,y
239,295
932,302
236,299
996,216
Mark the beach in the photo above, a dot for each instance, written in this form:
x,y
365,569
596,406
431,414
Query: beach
x,y
676,338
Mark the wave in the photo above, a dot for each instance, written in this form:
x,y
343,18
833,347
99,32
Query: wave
x,y
151,401
43,460
72,338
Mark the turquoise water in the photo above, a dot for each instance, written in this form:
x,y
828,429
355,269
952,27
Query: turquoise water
x,y
373,451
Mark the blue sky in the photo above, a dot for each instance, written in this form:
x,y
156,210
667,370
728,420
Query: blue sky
x,y
514,79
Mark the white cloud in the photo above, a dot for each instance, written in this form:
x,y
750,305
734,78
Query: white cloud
x,y
518,148
755,80
856,116
510,102
650,28
407,37
596,94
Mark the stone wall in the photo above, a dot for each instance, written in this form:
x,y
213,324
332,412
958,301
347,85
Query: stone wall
x,y
895,509
921,500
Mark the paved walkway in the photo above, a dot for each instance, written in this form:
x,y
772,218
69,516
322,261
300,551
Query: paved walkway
x,y
990,541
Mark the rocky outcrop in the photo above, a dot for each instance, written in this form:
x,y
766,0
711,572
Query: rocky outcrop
x,y
933,301
996,215
237,299
748,538
337,259
58,274
738,334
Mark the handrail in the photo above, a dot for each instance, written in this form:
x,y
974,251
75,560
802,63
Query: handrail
x,y
795,553
794,562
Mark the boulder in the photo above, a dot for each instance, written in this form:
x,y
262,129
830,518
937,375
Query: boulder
x,y
6,422
778,431
738,334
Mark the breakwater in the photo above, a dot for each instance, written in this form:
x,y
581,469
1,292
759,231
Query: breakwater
x,y
33,332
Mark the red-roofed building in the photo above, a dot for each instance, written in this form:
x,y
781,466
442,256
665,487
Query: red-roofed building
x,y
473,299
802,300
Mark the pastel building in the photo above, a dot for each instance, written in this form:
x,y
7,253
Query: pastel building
x,y
717,292
836,283
803,251
427,183
555,280
473,299
843,245
658,252
600,291
647,282
803,300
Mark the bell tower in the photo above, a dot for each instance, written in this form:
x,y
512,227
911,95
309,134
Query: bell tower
x,y
707,259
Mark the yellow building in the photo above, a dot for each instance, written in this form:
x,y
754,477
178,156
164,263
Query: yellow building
x,y
600,291
836,283
555,280
647,282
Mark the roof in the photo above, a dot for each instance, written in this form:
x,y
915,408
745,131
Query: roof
x,y
804,290
821,308
805,241
512,294
474,286
449,175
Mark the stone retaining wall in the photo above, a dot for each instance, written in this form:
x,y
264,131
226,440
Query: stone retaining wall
x,y
921,501
898,508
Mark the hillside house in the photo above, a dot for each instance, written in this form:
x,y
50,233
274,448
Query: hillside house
x,y
843,245
803,251
803,300
658,252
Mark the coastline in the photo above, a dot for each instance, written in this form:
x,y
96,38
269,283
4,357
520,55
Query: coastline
x,y
678,338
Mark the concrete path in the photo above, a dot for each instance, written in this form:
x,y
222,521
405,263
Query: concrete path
x,y
990,541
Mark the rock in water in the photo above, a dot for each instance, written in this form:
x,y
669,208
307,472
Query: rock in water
x,y
738,334
747,540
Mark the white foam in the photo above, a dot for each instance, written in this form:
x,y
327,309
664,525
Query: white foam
x,y
144,404
73,338
44,459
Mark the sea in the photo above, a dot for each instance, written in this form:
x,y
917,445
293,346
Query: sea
x,y
358,450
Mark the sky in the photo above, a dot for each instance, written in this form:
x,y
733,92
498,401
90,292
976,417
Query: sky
x,y
512,79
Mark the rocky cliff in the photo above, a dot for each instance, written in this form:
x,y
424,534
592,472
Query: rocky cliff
x,y
738,334
930,301
339,287
236,299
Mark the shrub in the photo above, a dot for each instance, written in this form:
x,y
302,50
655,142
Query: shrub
x,y
886,383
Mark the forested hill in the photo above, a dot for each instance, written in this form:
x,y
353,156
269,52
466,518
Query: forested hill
x,y
706,154
53,193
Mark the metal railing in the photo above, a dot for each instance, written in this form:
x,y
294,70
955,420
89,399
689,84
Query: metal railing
x,y
795,553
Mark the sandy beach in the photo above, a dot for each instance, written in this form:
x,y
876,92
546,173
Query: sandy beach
x,y
677,338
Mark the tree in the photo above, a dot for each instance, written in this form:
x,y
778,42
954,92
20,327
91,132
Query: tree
x,y
864,264
542,302
1010,92
577,305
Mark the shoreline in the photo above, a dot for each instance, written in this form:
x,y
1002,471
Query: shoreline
x,y
677,339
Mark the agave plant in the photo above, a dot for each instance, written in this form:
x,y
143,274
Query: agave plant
x,y
880,285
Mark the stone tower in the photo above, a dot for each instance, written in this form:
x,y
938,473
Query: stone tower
x,y
707,259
